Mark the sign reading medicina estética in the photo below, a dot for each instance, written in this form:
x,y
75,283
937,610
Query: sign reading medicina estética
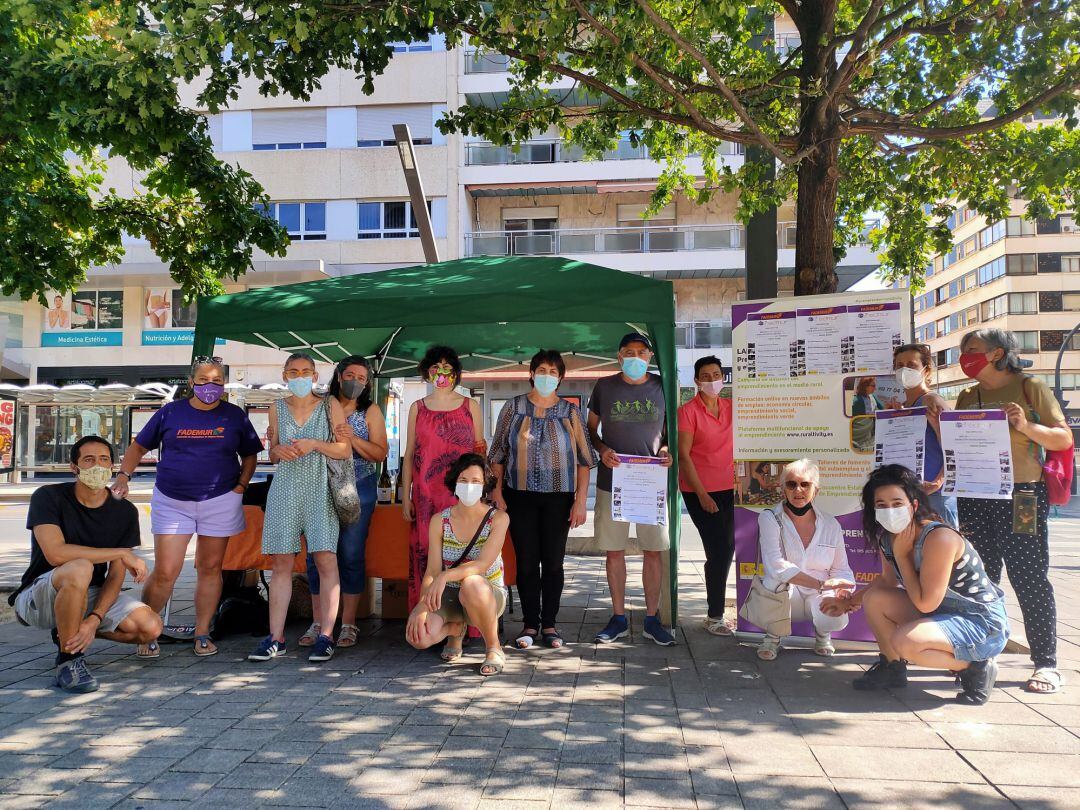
x,y
83,318
809,375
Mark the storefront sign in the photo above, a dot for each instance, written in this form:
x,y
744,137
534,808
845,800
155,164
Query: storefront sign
x,y
88,338
803,388
171,337
9,409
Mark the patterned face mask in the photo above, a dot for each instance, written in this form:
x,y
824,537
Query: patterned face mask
x,y
441,376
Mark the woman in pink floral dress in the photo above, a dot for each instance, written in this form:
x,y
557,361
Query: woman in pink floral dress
x,y
443,426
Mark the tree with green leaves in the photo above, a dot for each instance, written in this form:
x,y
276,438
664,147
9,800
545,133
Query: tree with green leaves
x,y
881,107
82,79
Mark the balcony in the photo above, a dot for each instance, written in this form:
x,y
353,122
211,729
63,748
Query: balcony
x,y
785,234
557,151
486,62
629,239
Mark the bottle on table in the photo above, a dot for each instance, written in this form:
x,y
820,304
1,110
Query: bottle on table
x,y
384,489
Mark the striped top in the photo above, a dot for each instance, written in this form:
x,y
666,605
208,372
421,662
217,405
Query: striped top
x,y
358,422
541,448
452,548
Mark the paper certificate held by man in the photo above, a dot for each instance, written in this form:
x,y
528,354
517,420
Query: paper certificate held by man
x,y
639,490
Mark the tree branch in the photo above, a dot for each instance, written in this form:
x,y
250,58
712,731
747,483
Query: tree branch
x,y
896,125
843,74
710,70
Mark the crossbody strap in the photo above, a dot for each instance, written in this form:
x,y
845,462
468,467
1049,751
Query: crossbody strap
x,y
476,536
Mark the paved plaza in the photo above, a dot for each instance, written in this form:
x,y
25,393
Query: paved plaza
x,y
703,724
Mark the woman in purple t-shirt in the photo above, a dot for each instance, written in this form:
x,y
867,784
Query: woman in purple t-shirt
x,y
208,454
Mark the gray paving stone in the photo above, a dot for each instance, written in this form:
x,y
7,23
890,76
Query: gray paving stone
x,y
864,794
175,786
801,793
211,760
258,776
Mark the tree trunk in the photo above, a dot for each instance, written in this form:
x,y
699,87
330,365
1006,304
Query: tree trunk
x,y
815,262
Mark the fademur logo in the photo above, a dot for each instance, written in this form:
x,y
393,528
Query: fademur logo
x,y
203,433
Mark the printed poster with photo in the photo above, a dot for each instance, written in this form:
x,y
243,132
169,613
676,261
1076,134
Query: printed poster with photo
x,y
810,374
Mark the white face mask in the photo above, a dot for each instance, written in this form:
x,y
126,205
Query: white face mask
x,y
468,494
894,519
909,377
712,387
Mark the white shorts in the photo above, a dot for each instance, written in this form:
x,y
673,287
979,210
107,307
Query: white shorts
x,y
222,516
614,535
34,607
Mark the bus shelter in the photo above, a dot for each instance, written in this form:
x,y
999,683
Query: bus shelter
x,y
495,311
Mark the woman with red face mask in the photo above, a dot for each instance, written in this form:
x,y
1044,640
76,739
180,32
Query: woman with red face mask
x,y
443,426
1036,424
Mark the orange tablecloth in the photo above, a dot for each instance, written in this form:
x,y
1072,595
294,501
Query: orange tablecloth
x,y
387,550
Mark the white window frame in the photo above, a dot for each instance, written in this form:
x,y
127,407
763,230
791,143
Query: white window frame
x,y
1070,263
301,235
388,233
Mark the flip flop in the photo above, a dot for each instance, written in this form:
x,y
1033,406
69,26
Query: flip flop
x,y
494,662
204,647
148,651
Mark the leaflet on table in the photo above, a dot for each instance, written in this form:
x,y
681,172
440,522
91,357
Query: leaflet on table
x,y
978,454
900,438
639,490
826,342
877,333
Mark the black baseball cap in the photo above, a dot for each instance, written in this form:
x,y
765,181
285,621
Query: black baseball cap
x,y
635,337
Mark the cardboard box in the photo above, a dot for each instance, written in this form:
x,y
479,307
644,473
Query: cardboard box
x,y
395,599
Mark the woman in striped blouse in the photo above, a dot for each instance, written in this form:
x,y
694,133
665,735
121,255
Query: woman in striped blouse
x,y
541,455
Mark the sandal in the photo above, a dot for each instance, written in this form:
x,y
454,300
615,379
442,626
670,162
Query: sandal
x,y
453,653
823,646
1044,681
148,651
552,639
718,627
526,639
204,647
769,649
347,636
493,664
311,635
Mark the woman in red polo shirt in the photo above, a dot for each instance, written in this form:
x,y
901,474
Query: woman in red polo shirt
x,y
706,478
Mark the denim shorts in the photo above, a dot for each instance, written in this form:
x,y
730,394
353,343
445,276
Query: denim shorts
x,y
975,635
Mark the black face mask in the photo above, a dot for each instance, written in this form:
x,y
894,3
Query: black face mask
x,y
351,389
798,510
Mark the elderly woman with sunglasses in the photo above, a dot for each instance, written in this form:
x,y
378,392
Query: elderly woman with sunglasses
x,y
802,549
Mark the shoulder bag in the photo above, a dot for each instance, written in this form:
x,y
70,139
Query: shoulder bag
x,y
764,608
475,538
1057,466
341,478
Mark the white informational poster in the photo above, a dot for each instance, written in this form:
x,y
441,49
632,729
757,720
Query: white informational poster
x,y
900,438
639,490
826,344
772,345
820,401
877,332
978,454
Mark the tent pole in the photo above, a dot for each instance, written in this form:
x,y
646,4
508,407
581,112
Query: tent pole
x,y
663,336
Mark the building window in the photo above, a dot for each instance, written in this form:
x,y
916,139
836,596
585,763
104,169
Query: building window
x,y
304,221
1019,226
942,294
1070,264
1023,303
288,129
1050,301
1051,340
1028,341
991,271
387,220
991,234
948,357
1070,301
1020,264
994,308
419,46
375,124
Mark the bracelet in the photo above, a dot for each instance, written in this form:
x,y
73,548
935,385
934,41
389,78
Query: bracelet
x,y
126,475
100,618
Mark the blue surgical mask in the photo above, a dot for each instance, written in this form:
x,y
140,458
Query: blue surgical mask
x,y
634,367
545,384
301,386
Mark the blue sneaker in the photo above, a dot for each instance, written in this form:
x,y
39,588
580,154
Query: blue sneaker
x,y
617,627
270,648
75,676
323,649
655,630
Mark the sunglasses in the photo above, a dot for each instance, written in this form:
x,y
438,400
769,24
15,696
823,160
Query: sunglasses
x,y
793,485
205,358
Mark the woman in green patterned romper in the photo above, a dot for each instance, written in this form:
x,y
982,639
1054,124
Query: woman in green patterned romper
x,y
463,583
299,502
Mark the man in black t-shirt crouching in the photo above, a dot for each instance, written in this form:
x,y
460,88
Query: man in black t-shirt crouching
x,y
80,550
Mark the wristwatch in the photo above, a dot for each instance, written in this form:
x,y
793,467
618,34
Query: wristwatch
x,y
126,475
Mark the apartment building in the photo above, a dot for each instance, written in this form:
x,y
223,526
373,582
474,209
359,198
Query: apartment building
x,y
336,184
1012,274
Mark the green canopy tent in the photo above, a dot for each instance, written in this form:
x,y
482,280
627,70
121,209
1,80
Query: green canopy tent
x,y
495,311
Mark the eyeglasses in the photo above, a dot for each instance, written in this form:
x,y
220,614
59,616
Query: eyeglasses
x,y
793,485
205,358
292,374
